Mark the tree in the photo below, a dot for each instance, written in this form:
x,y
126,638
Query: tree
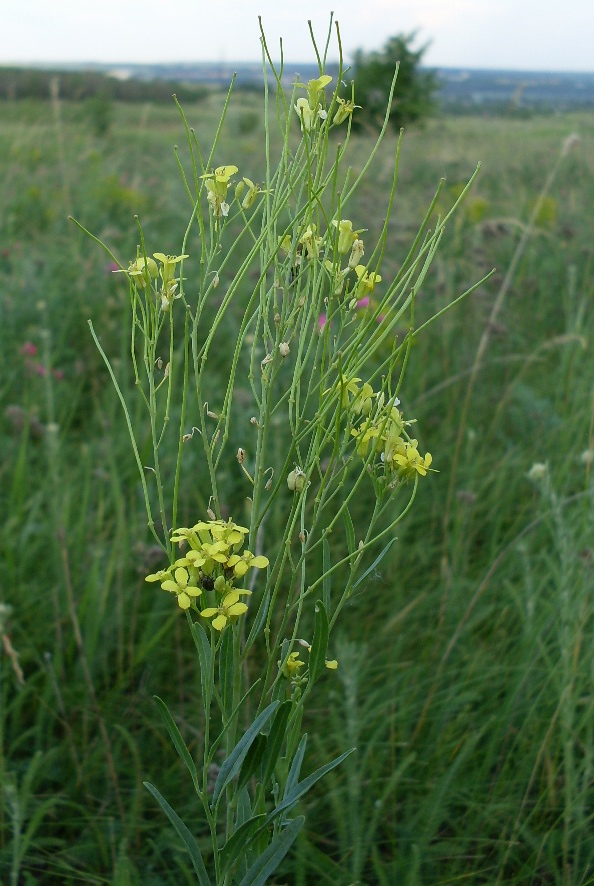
x,y
373,72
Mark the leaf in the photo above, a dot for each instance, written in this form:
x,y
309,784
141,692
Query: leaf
x,y
252,760
267,863
296,765
350,531
319,644
238,841
204,651
232,764
326,580
377,560
187,837
231,719
259,620
176,738
275,741
298,791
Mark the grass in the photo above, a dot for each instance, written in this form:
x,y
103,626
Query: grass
x,y
466,659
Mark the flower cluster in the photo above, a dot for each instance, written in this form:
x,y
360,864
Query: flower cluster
x,y
217,185
307,243
143,271
381,425
214,561
292,666
311,109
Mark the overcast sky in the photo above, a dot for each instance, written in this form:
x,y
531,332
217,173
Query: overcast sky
x,y
512,34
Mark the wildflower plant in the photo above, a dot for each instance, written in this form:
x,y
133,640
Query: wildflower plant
x,y
262,600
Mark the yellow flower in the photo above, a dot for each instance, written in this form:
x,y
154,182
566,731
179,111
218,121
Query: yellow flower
x,y
346,386
194,559
305,114
362,402
168,263
181,587
219,179
309,240
229,607
364,435
241,564
315,87
141,271
366,282
217,184
252,192
161,575
292,665
332,665
411,462
229,532
346,235
345,109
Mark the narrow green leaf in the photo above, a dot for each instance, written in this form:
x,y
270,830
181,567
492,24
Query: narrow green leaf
x,y
232,764
350,531
238,841
204,651
244,807
326,578
275,741
259,620
319,644
231,719
296,764
252,760
267,863
374,564
295,794
227,670
176,738
186,835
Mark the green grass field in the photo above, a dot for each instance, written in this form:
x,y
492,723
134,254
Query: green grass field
x,y
466,662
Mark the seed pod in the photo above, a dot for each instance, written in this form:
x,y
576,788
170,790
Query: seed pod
x,y
296,480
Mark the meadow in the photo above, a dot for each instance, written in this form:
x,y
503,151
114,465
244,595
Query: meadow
x,y
466,658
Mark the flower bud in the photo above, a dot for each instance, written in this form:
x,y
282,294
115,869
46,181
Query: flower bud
x,y
357,253
283,349
252,193
239,190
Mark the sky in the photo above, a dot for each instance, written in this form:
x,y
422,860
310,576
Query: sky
x,y
531,35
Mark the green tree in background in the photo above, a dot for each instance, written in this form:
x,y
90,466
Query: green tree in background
x,y
414,94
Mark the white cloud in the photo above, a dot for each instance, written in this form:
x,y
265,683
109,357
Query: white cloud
x,y
480,33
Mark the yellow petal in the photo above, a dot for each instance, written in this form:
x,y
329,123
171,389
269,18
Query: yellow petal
x,y
181,576
184,601
219,622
